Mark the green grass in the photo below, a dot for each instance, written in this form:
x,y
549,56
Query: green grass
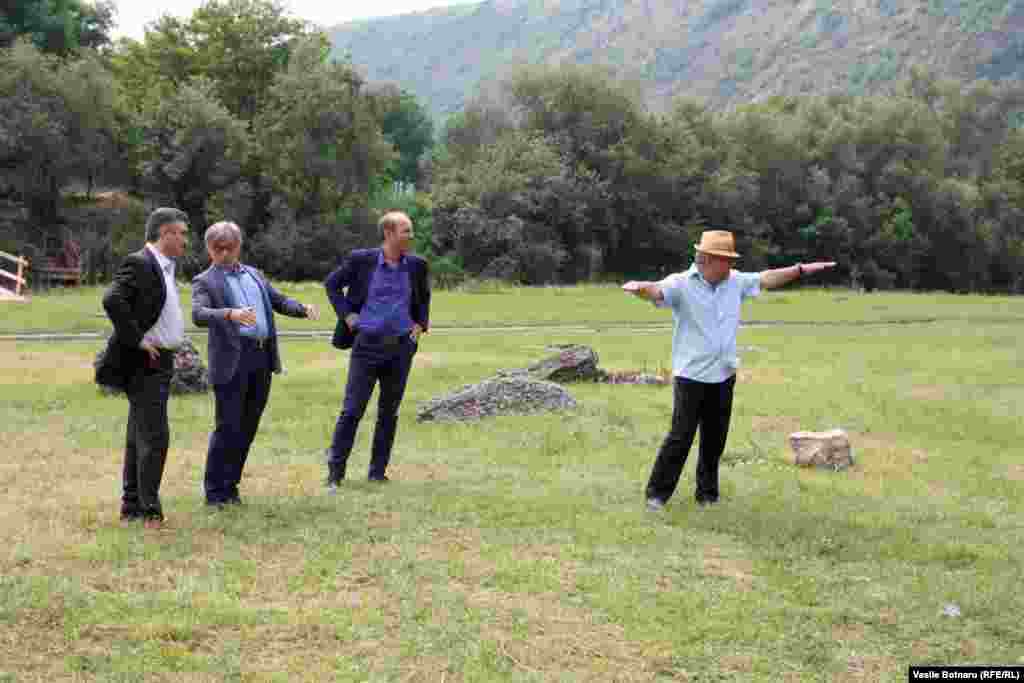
x,y
488,305
518,549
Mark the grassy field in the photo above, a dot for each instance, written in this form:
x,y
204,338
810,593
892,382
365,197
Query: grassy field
x,y
485,304
519,549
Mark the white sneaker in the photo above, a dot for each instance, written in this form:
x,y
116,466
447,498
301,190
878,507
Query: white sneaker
x,y
655,505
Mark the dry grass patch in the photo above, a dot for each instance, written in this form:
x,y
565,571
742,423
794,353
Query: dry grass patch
x,y
930,392
458,544
1015,471
848,633
716,563
561,640
776,424
873,669
771,376
45,368
415,471
737,663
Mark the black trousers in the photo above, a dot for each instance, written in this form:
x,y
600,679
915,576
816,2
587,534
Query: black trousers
x,y
708,406
147,439
373,360
240,404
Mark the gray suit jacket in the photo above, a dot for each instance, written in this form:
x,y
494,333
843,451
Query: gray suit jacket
x,y
210,301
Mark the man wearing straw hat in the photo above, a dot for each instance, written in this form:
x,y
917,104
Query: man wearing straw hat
x,y
705,302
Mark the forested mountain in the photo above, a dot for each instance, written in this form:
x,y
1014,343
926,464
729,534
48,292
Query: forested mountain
x,y
728,51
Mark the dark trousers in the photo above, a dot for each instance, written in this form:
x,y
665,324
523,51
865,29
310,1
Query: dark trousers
x,y
240,404
694,404
148,437
374,359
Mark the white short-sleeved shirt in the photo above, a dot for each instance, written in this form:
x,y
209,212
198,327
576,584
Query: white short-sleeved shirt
x,y
706,321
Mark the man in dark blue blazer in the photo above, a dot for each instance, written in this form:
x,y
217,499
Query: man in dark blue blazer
x,y
382,298
237,305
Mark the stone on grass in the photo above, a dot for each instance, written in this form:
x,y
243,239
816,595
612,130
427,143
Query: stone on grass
x,y
830,450
498,396
569,363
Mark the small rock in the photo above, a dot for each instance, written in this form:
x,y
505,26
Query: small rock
x,y
499,396
190,375
829,449
951,610
569,363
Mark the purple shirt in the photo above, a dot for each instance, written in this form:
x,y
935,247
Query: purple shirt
x,y
387,305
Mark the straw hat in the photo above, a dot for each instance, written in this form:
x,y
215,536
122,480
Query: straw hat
x,y
718,243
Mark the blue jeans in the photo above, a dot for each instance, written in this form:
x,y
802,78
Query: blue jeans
x,y
374,359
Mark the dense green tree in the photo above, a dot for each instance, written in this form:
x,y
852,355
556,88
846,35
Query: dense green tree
x,y
54,117
192,147
406,124
59,27
322,144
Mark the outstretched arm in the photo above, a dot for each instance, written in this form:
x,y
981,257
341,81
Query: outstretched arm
x,y
770,279
645,290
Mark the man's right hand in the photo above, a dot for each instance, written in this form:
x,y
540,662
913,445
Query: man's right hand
x,y
244,316
352,319
154,353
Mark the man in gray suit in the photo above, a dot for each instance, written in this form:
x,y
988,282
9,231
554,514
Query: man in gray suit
x,y
237,305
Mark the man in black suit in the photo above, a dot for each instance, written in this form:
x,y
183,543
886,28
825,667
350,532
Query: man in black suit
x,y
142,303
237,305
382,298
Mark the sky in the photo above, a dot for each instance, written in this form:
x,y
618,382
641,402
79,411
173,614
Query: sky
x,y
133,15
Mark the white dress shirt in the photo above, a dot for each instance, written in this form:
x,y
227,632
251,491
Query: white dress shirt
x,y
706,321
169,330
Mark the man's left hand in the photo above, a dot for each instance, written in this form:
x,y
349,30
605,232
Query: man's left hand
x,y
311,312
416,332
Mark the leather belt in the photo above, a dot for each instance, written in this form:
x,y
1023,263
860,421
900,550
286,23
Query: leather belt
x,y
382,339
255,343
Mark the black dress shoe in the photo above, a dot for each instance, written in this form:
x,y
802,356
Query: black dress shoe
x,y
381,479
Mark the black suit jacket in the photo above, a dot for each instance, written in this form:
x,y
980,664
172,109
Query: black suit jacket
x,y
349,285
211,298
133,303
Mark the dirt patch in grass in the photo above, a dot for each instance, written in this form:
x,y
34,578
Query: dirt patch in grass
x,y
771,376
1015,472
930,392
738,663
868,669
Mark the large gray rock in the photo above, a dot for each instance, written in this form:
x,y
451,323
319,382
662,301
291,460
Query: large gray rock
x,y
498,396
569,363
829,450
190,375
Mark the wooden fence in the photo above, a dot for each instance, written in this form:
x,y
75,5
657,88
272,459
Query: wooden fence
x,y
19,278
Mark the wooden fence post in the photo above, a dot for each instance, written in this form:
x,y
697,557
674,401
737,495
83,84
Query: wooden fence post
x,y
21,271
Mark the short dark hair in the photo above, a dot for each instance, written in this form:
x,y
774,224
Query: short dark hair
x,y
161,217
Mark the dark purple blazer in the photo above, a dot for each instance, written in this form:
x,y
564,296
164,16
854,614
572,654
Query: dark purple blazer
x,y
349,285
